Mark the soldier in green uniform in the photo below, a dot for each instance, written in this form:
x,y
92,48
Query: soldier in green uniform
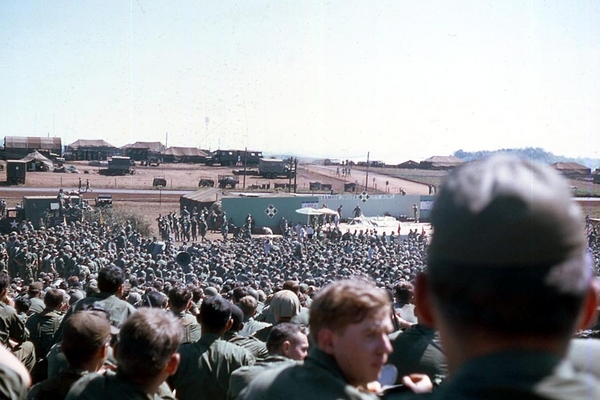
x,y
206,365
14,378
180,301
287,344
42,327
85,344
509,281
13,333
146,355
26,263
256,347
110,283
349,325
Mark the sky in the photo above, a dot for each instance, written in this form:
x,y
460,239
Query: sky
x,y
396,79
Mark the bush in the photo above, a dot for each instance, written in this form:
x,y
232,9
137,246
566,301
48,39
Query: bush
x,y
116,219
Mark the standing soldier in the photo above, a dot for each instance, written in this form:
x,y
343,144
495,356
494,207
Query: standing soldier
x,y
27,263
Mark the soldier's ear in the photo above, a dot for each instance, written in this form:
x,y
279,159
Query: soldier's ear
x,y
285,347
423,302
589,308
326,340
173,364
229,324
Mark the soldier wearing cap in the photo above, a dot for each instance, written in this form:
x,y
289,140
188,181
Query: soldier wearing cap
x,y
34,292
284,306
509,281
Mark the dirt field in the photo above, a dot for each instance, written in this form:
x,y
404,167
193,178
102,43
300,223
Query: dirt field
x,y
152,202
185,177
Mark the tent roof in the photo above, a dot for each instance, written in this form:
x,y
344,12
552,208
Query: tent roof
x,y
570,166
444,159
90,143
184,151
36,156
151,146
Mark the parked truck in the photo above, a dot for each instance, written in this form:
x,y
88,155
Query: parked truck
x,y
118,165
234,157
271,168
16,171
46,210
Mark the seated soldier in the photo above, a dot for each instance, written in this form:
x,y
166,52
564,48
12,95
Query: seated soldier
x,y
42,327
13,333
286,343
349,325
86,339
180,301
146,355
206,365
509,281
14,377
256,347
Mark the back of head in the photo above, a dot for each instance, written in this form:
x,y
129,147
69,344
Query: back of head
x,y
508,252
147,340
248,305
4,281
53,299
238,293
404,292
35,289
345,302
285,304
292,285
215,313
237,316
110,278
179,296
84,333
280,333
153,299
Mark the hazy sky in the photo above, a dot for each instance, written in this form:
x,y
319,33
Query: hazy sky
x,y
401,79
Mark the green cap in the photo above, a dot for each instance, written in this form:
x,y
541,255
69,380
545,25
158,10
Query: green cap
x,y
505,211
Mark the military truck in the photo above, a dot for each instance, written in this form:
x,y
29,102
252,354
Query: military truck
x,y
271,168
119,165
16,171
228,180
45,210
234,157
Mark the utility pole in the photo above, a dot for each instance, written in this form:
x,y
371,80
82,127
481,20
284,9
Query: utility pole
x,y
367,175
245,159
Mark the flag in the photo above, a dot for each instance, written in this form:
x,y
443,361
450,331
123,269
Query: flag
x,y
101,220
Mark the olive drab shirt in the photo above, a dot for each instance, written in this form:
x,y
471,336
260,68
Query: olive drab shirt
x,y
206,367
12,385
110,386
319,377
241,377
11,326
526,374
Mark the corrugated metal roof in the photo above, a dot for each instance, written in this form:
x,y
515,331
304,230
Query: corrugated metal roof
x,y
32,142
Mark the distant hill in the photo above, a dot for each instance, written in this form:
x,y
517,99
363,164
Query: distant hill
x,y
537,154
